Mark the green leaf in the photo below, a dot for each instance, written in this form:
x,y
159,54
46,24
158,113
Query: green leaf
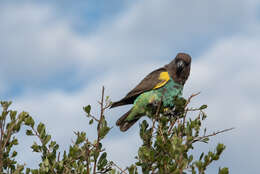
x,y
35,147
87,109
15,141
102,162
220,148
5,105
104,131
190,158
113,171
46,139
201,156
132,169
90,121
12,115
81,136
204,115
95,154
14,154
205,140
52,144
144,152
27,170
29,122
41,128
29,132
203,107
23,115
223,171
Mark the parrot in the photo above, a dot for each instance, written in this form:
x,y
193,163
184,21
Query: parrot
x,y
161,85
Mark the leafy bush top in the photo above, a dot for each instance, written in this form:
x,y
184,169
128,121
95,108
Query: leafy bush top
x,y
166,148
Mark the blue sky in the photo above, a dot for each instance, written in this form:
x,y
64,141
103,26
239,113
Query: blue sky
x,y
55,57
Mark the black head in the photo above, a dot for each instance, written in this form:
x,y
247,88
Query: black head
x,y
179,68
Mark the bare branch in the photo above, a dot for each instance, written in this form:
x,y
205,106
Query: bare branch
x,y
210,135
122,171
171,126
93,117
98,127
189,99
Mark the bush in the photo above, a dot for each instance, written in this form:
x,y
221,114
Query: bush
x,y
166,148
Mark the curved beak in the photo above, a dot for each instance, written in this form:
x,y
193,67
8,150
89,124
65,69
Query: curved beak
x,y
180,66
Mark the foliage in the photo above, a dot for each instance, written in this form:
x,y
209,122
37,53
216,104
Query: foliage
x,y
166,148
167,145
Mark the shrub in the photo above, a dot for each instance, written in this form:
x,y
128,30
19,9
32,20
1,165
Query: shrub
x,y
166,148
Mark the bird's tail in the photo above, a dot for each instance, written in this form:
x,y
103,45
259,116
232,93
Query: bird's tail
x,y
123,123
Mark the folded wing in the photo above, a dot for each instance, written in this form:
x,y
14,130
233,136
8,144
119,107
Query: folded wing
x,y
154,80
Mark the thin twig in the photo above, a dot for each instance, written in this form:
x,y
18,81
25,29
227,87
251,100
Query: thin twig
x,y
186,109
171,126
98,127
107,105
210,135
193,109
41,140
158,109
189,99
102,102
122,171
9,134
87,155
48,150
93,117
58,157
157,114
153,125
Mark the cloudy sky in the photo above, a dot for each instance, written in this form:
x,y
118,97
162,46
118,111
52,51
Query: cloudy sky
x,y
55,57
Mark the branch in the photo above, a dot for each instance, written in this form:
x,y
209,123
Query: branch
x,y
189,99
122,171
171,126
8,136
210,135
157,114
93,117
185,106
98,127
41,140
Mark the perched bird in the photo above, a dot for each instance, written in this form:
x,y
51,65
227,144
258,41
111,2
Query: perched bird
x,y
161,85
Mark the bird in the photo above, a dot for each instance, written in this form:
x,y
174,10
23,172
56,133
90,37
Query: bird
x,y
161,85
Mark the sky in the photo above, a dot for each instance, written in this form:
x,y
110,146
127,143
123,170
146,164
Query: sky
x,y
56,56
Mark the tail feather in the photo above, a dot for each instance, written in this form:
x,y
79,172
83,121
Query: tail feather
x,y
115,104
123,124
122,118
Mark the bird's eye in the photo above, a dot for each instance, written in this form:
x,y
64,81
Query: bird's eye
x,y
180,65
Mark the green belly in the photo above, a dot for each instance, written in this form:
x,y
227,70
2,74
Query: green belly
x,y
165,93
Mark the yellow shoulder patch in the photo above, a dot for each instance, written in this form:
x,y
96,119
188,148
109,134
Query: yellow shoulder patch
x,y
164,77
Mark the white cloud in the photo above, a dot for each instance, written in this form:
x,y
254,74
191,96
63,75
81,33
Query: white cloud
x,y
154,28
38,44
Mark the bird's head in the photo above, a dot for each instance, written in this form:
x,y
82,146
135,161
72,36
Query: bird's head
x,y
179,68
